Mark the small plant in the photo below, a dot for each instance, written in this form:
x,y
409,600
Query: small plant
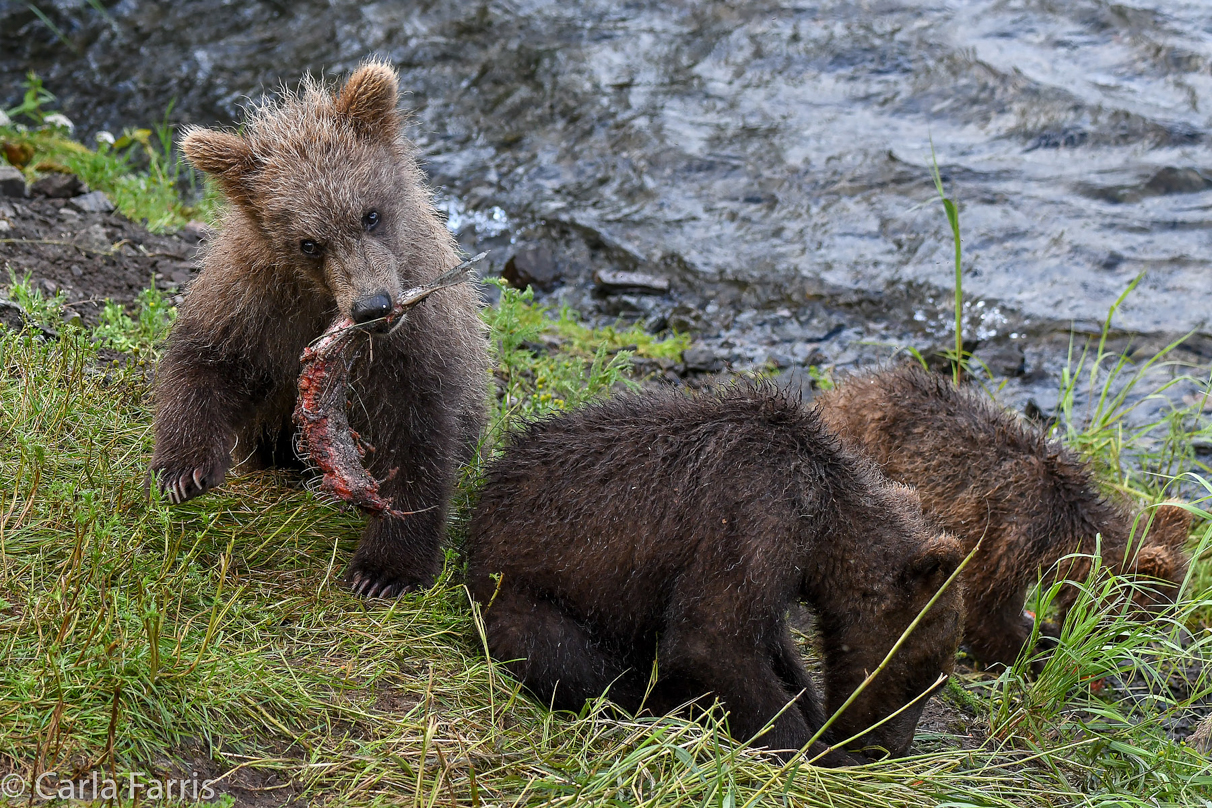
x,y
144,332
536,380
150,194
952,210
821,378
1099,390
36,97
44,312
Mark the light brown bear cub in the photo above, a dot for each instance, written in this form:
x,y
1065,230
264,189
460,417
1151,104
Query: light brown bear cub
x,y
329,214
985,474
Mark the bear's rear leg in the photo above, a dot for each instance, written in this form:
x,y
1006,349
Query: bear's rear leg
x,y
789,667
554,656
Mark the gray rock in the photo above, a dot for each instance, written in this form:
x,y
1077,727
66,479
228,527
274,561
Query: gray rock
x,y
656,323
532,266
12,182
1172,180
58,185
821,330
630,306
195,230
94,202
701,359
610,280
1003,361
1042,408
685,319
180,273
93,237
780,360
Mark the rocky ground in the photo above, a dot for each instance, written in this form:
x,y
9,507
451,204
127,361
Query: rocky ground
x,y
69,242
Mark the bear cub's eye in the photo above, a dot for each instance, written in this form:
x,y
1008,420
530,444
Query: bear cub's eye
x,y
309,247
370,220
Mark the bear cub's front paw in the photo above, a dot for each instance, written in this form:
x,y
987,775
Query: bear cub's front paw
x,y
369,581
183,480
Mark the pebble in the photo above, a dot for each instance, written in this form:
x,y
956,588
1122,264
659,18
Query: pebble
x,y
1172,180
701,359
93,202
532,266
610,280
12,182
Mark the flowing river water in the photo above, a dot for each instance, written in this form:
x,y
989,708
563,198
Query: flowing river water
x,y
770,159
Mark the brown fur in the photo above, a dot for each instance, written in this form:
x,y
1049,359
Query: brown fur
x,y
309,167
680,529
982,471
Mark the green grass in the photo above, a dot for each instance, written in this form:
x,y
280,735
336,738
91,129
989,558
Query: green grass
x,y
142,333
213,636
547,360
150,193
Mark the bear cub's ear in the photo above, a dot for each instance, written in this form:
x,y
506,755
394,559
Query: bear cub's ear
x,y
226,157
369,100
1171,526
1162,563
934,564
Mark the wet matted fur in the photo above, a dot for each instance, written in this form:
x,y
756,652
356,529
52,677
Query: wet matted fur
x,y
982,471
675,528
296,247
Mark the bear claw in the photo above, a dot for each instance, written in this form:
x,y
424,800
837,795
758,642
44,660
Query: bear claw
x,y
180,486
367,586
184,474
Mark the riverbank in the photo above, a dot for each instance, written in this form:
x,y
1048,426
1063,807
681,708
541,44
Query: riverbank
x,y
211,641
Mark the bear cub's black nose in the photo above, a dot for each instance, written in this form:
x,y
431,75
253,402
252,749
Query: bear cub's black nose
x,y
371,307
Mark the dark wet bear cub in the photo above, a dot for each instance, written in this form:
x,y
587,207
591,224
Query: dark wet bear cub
x,y
680,529
329,214
982,471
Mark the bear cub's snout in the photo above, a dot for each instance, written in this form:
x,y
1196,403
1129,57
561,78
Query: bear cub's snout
x,y
371,307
